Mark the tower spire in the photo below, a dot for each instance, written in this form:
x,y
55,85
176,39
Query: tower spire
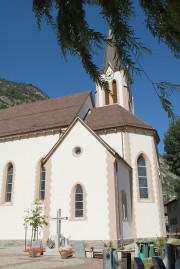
x,y
110,56
114,73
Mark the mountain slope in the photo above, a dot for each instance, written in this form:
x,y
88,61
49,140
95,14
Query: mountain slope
x,y
169,182
13,93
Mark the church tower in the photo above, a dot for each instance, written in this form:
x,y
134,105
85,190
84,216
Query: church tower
x,y
119,85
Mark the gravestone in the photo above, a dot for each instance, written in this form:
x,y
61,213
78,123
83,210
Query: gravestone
x,y
169,256
126,260
177,263
137,249
138,264
158,263
110,258
114,259
79,249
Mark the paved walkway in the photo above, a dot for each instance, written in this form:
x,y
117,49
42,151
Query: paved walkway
x,y
14,258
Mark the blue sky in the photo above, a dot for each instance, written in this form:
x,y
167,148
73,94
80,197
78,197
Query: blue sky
x,y
30,56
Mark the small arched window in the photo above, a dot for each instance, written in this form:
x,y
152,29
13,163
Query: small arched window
x,y
142,176
79,202
114,91
42,182
9,184
106,97
124,205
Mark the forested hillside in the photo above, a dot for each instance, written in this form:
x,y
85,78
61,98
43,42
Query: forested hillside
x,y
13,93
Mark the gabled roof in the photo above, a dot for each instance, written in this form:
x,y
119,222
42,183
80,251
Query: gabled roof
x,y
43,115
113,116
61,139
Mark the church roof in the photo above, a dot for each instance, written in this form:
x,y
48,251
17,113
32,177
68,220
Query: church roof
x,y
42,115
113,116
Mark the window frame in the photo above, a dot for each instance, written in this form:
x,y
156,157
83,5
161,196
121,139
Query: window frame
x,y
9,182
42,172
80,202
72,203
124,205
143,177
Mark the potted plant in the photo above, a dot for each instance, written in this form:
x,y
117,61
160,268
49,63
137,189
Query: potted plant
x,y
36,219
66,253
35,252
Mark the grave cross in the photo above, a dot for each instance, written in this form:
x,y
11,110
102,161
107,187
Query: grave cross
x,y
58,219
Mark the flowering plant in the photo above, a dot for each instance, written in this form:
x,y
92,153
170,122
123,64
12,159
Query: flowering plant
x,y
35,250
69,252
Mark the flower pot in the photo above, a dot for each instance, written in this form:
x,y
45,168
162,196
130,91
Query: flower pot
x,y
64,255
32,254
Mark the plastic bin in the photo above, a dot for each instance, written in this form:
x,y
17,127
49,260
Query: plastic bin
x,y
145,250
151,250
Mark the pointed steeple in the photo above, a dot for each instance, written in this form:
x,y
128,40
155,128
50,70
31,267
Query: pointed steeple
x,y
114,73
110,57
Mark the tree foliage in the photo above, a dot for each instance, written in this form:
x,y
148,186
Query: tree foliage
x,y
75,36
172,147
36,219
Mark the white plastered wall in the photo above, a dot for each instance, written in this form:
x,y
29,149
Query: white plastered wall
x,y
147,212
124,184
114,139
90,170
25,155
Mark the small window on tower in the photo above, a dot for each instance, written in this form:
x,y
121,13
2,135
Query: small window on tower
x,y
106,98
114,91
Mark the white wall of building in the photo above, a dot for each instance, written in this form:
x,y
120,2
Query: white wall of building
x,y
147,212
124,185
114,139
90,170
25,155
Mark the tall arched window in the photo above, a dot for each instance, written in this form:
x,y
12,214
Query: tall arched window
x,y
78,202
42,183
106,98
114,91
9,183
142,176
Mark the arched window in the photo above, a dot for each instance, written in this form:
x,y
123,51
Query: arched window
x,y
124,205
9,183
106,98
42,183
142,176
78,202
114,91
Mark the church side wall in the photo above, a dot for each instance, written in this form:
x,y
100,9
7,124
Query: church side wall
x,y
114,139
148,222
92,170
24,154
124,186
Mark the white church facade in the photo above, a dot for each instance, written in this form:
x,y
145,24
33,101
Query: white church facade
x,y
97,163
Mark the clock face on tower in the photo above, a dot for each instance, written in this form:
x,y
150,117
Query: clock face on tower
x,y
108,76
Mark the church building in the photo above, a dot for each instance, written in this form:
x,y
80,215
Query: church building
x,y
98,163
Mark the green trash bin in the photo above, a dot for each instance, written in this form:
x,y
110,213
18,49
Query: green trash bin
x,y
151,250
145,249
